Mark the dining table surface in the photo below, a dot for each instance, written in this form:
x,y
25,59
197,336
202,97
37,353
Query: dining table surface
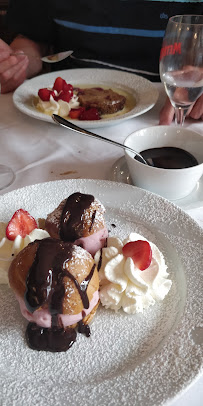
x,y
40,151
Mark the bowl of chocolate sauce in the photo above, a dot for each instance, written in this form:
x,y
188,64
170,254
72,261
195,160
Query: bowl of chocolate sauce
x,y
174,156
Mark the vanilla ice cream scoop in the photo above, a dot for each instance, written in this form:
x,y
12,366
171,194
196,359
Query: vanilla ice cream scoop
x,y
123,284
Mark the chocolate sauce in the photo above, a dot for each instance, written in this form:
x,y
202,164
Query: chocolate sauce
x,y
93,218
100,261
45,286
83,328
53,339
82,288
168,158
45,277
71,227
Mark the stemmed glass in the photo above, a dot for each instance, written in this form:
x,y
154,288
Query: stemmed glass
x,y
181,62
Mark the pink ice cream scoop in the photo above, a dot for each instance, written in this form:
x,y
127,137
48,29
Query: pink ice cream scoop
x,y
93,242
42,317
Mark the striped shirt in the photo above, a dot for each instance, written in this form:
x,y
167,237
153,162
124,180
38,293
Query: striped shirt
x,y
126,34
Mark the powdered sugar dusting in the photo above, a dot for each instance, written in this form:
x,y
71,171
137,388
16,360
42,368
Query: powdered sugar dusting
x,y
128,359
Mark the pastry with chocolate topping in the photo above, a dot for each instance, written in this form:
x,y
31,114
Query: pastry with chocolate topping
x,y
56,284
80,220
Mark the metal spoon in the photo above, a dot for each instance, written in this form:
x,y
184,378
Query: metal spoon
x,y
60,56
65,123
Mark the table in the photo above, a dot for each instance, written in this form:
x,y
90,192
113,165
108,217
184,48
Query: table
x,y
39,152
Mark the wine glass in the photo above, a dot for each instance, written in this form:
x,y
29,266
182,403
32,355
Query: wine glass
x,y
181,62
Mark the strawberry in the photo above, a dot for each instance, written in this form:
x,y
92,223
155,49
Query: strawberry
x,y
22,223
90,114
75,113
140,252
64,96
67,88
58,84
45,94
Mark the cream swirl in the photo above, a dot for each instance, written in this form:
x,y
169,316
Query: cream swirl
x,y
60,107
123,285
9,249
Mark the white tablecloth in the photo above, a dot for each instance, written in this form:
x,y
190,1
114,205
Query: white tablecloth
x,y
39,151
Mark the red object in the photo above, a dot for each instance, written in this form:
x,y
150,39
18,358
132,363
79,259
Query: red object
x,y
22,223
140,252
67,87
75,113
45,94
64,96
58,84
90,114
62,88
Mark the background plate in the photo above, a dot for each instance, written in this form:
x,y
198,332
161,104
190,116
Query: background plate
x,y
142,89
128,359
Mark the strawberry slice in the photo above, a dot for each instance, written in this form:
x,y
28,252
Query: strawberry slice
x,y
65,96
45,94
67,87
22,223
90,114
140,252
75,113
58,84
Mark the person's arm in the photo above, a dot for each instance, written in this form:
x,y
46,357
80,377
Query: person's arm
x,y
14,69
167,112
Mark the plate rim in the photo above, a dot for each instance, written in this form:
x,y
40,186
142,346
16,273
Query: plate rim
x,y
135,112
105,184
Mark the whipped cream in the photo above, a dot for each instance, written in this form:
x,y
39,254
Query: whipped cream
x,y
123,285
59,107
9,249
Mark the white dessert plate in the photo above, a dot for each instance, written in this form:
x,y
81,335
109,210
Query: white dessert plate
x,y
144,359
141,89
120,173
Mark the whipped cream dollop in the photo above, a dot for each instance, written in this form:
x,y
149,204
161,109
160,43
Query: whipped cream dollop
x,y
9,249
123,285
59,107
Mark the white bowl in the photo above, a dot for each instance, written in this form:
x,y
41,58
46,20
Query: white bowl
x,y
170,183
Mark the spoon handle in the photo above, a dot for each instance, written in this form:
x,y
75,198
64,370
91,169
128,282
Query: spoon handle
x,y
65,123
24,54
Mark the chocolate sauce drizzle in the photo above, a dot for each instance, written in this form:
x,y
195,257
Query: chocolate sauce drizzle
x,y
71,227
82,288
54,339
100,261
44,285
93,218
83,328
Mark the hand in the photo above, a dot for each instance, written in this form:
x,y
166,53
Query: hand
x,y
167,112
12,68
